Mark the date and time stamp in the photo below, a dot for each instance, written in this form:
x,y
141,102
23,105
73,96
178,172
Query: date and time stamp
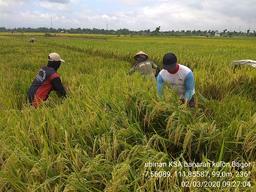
x,y
204,175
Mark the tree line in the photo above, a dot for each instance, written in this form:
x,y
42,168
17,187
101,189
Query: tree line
x,y
207,33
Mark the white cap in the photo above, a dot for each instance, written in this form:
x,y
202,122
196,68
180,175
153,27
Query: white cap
x,y
55,57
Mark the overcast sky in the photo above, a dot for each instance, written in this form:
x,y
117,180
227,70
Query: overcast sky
x,y
131,14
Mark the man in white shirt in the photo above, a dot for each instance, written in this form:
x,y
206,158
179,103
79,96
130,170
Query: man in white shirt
x,y
178,77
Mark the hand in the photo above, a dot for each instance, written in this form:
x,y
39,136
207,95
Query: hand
x,y
184,103
67,88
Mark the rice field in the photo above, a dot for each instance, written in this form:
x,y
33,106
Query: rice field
x,y
111,125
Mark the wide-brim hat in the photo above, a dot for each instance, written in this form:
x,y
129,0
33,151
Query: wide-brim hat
x,y
140,53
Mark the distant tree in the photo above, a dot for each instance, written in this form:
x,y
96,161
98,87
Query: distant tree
x,y
229,34
157,30
2,29
225,30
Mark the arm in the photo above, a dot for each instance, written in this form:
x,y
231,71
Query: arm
x,y
132,70
160,85
154,66
189,87
58,87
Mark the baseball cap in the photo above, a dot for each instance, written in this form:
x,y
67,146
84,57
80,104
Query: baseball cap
x,y
55,57
169,60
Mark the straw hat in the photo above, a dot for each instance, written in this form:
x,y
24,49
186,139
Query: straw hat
x,y
140,53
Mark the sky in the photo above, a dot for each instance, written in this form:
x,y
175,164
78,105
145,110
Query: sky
x,y
130,14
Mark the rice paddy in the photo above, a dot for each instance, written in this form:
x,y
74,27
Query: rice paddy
x,y
111,125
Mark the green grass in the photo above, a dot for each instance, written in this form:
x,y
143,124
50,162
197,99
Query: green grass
x,y
112,124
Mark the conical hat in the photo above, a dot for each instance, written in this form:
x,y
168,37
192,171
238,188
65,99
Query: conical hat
x,y
140,53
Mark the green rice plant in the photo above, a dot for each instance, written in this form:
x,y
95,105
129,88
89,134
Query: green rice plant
x,y
101,137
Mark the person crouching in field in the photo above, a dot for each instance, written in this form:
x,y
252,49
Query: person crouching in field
x,y
178,77
46,80
144,66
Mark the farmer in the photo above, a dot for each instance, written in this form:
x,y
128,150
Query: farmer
x,y
144,66
178,77
32,40
46,80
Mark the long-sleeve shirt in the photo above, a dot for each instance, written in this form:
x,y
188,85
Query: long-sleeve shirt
x,y
58,87
146,68
46,80
182,82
